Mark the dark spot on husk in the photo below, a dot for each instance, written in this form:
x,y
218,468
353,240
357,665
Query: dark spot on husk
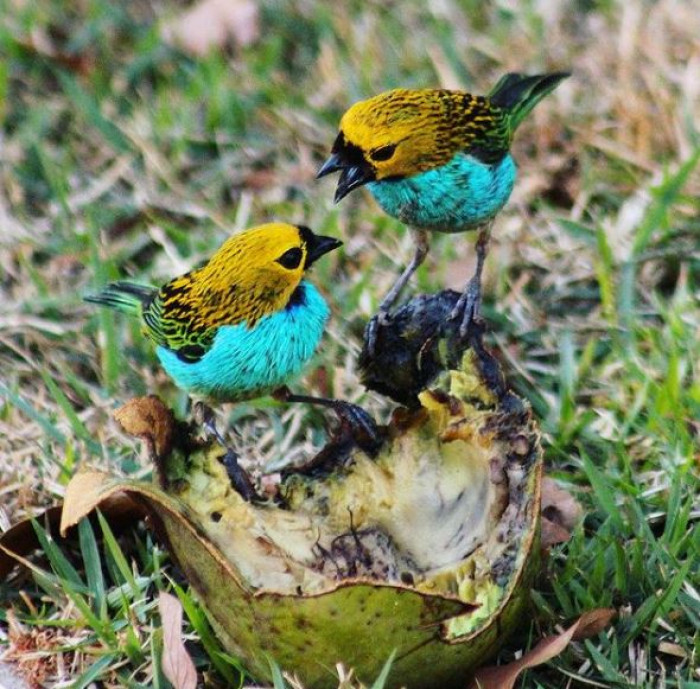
x,y
302,622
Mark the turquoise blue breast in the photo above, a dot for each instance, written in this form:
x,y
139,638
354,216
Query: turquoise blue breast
x,y
251,362
452,198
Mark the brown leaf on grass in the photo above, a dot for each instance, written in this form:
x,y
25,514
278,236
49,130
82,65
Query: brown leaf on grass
x,y
552,533
21,538
558,505
84,489
560,513
212,24
177,664
148,418
672,649
505,676
592,622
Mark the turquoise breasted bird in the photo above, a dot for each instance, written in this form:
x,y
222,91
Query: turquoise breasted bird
x,y
244,324
437,160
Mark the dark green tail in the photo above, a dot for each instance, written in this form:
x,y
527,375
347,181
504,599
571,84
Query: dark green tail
x,y
128,297
519,93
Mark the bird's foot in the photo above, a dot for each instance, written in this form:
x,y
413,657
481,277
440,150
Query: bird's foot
x,y
204,415
360,425
379,320
468,307
356,429
356,425
239,477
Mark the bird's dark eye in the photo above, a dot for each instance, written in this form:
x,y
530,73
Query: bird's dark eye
x,y
291,258
383,153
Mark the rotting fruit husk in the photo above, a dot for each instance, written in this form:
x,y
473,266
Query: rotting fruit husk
x,y
429,548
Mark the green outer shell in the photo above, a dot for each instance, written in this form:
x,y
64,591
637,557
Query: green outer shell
x,y
359,623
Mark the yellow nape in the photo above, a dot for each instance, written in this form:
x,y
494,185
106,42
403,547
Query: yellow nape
x,y
426,127
243,281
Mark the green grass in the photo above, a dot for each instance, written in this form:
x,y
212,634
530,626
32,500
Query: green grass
x,y
143,160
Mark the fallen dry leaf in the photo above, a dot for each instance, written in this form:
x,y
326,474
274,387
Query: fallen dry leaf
x,y
177,664
21,539
552,533
212,24
504,676
592,622
672,649
559,505
560,513
148,418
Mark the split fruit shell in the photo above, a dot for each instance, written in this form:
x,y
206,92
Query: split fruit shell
x,y
428,548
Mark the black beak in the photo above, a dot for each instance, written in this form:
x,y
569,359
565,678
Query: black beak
x,y
317,245
333,164
351,176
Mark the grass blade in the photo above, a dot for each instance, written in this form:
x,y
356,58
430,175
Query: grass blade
x,y
384,674
93,567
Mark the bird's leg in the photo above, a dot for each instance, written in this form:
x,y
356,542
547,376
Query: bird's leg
x,y
203,414
362,425
469,303
240,480
382,316
422,246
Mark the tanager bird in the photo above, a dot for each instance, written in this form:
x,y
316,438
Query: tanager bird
x,y
241,326
438,160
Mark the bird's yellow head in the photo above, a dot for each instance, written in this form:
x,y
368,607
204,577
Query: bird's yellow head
x,y
253,274
401,133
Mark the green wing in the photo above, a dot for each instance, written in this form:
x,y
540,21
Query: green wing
x,y
485,129
488,123
173,320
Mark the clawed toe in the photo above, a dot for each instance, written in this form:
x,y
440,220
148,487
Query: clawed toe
x,y
239,477
380,320
204,415
467,308
354,421
361,426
